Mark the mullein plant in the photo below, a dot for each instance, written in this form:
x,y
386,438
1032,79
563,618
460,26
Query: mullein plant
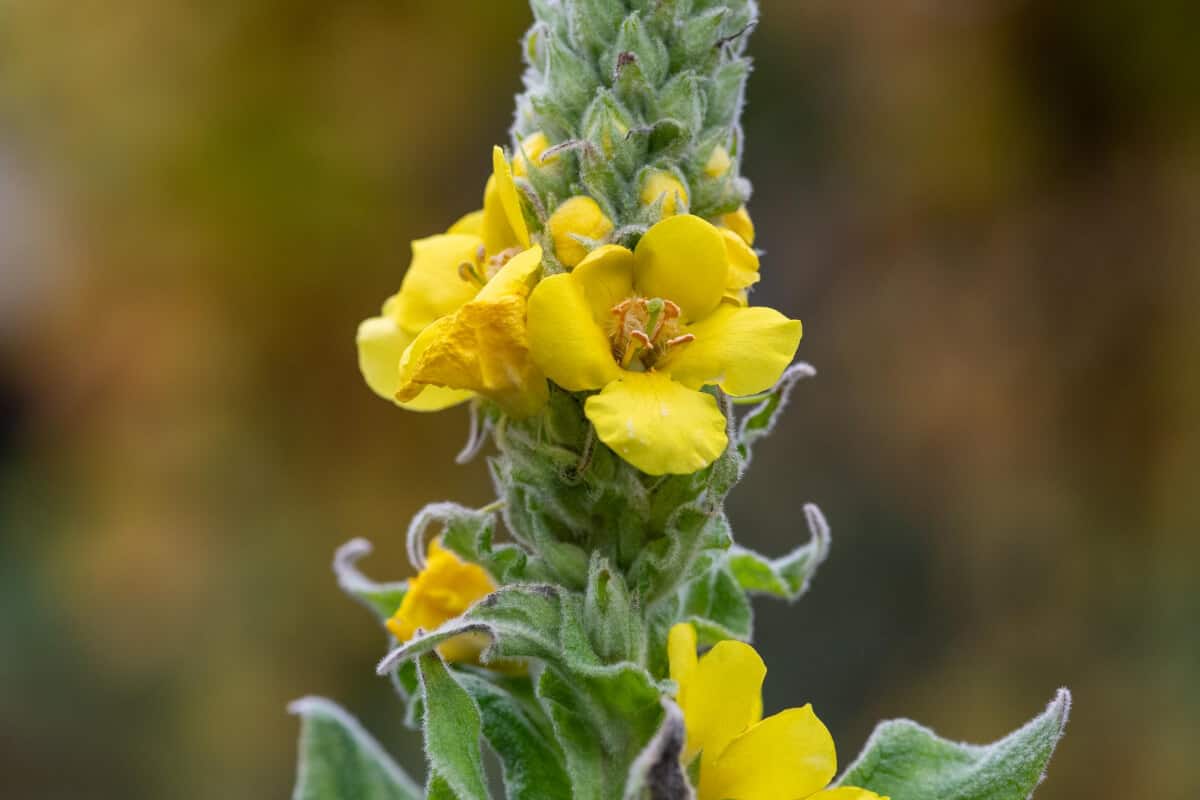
x,y
595,317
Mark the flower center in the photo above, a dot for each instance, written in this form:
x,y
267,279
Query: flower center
x,y
644,329
485,267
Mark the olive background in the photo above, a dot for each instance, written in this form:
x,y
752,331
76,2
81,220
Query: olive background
x,y
985,213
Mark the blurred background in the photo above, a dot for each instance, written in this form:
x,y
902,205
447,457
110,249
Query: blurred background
x,y
986,213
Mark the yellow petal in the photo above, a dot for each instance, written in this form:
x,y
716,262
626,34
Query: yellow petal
x,y
606,277
381,343
578,216
432,287
681,653
511,203
723,698
443,590
683,259
657,425
743,261
718,162
743,350
660,184
740,223
786,756
565,340
468,223
846,793
482,347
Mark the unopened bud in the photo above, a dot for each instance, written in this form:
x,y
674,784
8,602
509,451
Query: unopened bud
x,y
532,148
665,185
718,162
578,216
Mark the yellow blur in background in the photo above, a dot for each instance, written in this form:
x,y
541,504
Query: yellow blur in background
x,y
985,213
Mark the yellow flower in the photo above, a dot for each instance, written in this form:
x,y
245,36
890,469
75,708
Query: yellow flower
x,y
457,326
665,185
787,756
443,590
649,329
581,216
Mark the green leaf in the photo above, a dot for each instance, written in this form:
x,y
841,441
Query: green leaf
x,y
761,419
340,760
787,577
532,761
381,598
906,761
716,604
452,729
657,771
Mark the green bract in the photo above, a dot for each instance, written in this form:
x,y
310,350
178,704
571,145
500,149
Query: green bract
x,y
592,560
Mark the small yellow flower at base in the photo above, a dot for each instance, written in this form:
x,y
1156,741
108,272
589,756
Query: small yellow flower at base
x,y
649,329
718,162
674,194
443,590
787,756
456,327
578,216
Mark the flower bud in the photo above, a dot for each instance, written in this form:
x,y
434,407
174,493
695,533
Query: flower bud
x,y
532,147
578,216
665,185
718,162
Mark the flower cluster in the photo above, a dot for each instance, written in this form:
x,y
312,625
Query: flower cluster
x,y
596,316
648,333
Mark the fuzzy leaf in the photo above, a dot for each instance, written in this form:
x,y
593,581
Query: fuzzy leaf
x,y
657,772
339,760
716,604
788,576
909,762
761,419
530,757
381,598
452,729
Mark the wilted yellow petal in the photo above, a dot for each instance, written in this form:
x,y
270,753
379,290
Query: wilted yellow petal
x,y
740,223
578,216
659,184
432,287
683,259
565,340
482,347
742,350
722,699
743,261
786,756
606,278
443,590
657,425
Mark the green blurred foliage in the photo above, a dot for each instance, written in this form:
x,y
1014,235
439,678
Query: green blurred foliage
x,y
984,212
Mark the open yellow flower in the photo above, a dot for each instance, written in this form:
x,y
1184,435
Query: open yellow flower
x,y
787,756
443,590
649,329
456,328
